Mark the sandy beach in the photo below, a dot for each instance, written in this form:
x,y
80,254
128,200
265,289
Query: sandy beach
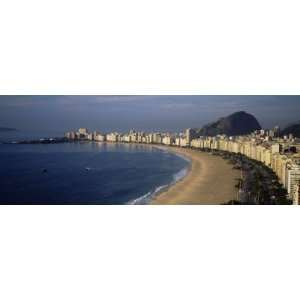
x,y
211,180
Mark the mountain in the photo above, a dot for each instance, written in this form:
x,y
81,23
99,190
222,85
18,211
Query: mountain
x,y
239,123
294,129
7,129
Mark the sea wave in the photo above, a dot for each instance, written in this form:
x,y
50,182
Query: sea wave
x,y
146,199
183,157
180,175
170,151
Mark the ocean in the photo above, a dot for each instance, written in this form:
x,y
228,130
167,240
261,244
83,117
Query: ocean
x,y
86,173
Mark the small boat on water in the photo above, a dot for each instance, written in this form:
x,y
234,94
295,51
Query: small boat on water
x,y
45,170
87,169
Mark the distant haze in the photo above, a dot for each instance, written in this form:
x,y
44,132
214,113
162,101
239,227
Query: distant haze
x,y
148,113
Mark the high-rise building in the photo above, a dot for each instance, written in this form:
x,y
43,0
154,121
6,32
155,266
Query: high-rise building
x,y
293,178
157,139
184,142
99,137
296,198
190,135
113,137
271,133
275,148
71,135
83,131
276,131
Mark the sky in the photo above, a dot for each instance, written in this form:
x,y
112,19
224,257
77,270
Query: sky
x,y
148,113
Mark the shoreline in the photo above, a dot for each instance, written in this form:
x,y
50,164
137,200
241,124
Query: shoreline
x,y
147,198
209,180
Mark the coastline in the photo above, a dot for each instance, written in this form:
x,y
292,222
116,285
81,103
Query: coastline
x,y
210,180
147,198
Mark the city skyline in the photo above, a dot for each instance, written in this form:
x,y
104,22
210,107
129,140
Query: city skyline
x,y
149,113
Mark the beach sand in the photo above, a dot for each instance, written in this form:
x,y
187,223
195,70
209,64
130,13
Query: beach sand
x,y
211,180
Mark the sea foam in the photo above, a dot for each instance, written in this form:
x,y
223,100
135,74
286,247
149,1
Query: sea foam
x,y
146,199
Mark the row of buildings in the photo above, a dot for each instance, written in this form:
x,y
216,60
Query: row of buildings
x,y
181,140
282,155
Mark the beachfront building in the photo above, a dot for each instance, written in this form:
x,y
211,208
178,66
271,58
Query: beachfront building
x,y
71,135
293,178
99,137
90,136
168,140
184,142
268,156
196,143
140,137
112,137
133,136
149,138
190,134
157,138
296,198
281,167
275,148
83,131
126,138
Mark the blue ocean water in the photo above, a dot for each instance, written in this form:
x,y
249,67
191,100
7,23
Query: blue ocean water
x,y
85,173
21,135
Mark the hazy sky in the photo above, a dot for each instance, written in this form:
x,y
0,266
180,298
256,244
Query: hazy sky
x,y
169,113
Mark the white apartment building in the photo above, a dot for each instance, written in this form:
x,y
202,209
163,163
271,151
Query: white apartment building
x,y
126,138
190,134
112,137
99,137
83,131
166,140
275,148
296,198
157,139
194,143
70,135
184,142
293,178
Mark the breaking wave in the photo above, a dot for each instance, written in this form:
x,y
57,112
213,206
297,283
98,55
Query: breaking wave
x,y
146,199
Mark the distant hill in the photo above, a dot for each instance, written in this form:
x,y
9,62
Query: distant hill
x,y
294,129
7,129
239,123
